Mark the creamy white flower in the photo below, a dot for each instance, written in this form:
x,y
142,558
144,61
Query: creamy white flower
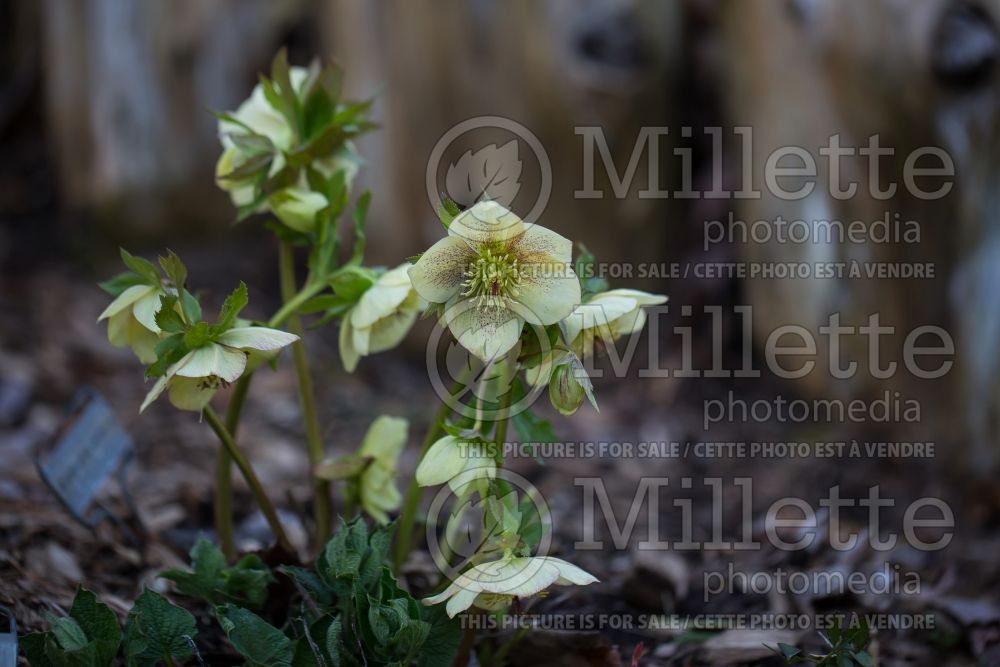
x,y
494,272
132,320
297,207
383,442
380,319
608,316
457,463
493,585
194,379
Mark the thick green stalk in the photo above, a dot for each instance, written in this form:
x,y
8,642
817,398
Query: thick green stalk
x,y
224,473
321,488
256,488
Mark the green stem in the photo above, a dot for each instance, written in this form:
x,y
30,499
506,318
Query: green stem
x,y
256,488
404,534
224,473
321,487
293,303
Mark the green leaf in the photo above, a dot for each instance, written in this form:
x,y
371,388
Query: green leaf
x,y
346,549
167,317
168,351
262,644
232,306
205,577
862,658
310,583
99,623
360,215
335,643
788,651
351,282
250,168
289,101
252,144
118,284
211,580
443,640
174,268
156,631
142,267
447,210
68,633
33,645
590,283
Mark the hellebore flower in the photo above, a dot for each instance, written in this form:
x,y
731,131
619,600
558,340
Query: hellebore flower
x,y
132,320
494,272
258,135
380,319
609,316
456,462
493,585
383,442
193,380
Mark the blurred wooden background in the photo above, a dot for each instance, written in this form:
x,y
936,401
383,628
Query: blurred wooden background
x,y
127,84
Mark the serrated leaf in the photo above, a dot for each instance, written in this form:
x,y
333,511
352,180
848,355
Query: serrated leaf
x,y
68,633
447,210
99,623
141,266
443,639
262,644
118,284
310,583
190,307
174,268
167,317
232,307
156,630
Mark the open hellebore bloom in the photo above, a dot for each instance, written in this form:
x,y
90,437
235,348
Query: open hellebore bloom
x,y
132,320
383,442
456,462
493,585
608,316
494,272
380,319
192,381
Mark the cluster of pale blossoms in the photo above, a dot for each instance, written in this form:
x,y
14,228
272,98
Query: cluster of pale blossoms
x,y
494,280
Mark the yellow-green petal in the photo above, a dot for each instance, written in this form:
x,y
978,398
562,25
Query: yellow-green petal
x,y
488,332
438,274
213,359
486,222
444,460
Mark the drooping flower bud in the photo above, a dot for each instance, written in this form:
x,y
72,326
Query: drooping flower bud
x,y
565,392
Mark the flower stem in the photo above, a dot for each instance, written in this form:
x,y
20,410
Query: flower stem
x,y
321,488
224,473
404,535
296,301
256,488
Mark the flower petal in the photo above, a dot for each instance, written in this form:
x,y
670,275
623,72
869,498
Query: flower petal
x,y
547,294
389,331
442,461
263,339
488,332
571,574
385,439
154,393
515,576
598,313
145,309
540,244
213,359
640,297
486,222
348,354
186,393
438,274
126,299
382,298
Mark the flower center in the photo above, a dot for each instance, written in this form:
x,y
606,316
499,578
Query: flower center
x,y
492,278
